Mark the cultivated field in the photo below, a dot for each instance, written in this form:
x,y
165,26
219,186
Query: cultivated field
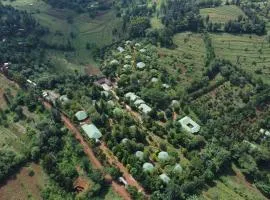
x,y
222,14
24,186
6,87
66,25
249,52
190,52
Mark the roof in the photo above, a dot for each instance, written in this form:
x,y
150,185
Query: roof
x,y
138,102
114,62
164,178
103,81
178,168
163,155
154,80
64,99
142,50
148,167
145,108
120,49
189,125
139,154
127,66
128,57
131,96
92,131
140,65
81,115
124,141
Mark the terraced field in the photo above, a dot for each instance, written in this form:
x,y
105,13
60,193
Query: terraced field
x,y
249,52
191,53
79,29
222,14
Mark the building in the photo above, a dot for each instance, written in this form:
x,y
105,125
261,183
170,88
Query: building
x,y
177,168
81,115
48,95
189,125
121,49
131,96
139,154
64,99
141,65
148,167
92,131
163,156
145,108
122,180
105,83
114,62
164,178
138,102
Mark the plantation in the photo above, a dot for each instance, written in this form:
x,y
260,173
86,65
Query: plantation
x,y
249,52
222,14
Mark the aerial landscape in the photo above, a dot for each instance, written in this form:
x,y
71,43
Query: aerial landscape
x,y
134,99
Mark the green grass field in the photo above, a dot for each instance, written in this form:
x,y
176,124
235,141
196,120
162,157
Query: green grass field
x,y
190,52
232,187
83,28
249,52
222,14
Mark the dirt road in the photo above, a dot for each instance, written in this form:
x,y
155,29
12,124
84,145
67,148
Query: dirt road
x,y
119,189
114,161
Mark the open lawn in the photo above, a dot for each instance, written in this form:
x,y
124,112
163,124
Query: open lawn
x,y
222,14
249,52
190,54
23,186
66,25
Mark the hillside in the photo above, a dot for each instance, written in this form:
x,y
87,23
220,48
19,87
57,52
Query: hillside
x,y
165,99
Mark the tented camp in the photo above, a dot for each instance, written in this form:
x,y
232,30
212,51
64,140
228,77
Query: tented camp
x,y
139,154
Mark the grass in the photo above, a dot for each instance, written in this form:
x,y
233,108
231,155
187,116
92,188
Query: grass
x,y
83,28
232,187
250,52
6,85
222,14
190,54
24,186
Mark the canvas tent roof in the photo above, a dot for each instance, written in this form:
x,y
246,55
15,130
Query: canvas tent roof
x,y
148,167
92,131
138,102
139,154
81,115
145,108
163,155
140,65
177,168
131,96
164,178
189,125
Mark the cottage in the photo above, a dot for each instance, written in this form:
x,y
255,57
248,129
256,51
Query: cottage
x,y
114,62
64,99
81,115
154,80
128,57
105,83
189,125
92,131
145,108
177,168
142,50
48,95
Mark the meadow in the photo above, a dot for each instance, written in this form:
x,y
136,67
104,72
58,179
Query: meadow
x,y
222,14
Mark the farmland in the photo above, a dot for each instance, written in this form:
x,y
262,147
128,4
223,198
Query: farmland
x,y
6,87
249,52
222,14
190,53
80,30
28,184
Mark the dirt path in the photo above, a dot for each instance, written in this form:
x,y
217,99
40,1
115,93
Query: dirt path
x,y
114,161
91,156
